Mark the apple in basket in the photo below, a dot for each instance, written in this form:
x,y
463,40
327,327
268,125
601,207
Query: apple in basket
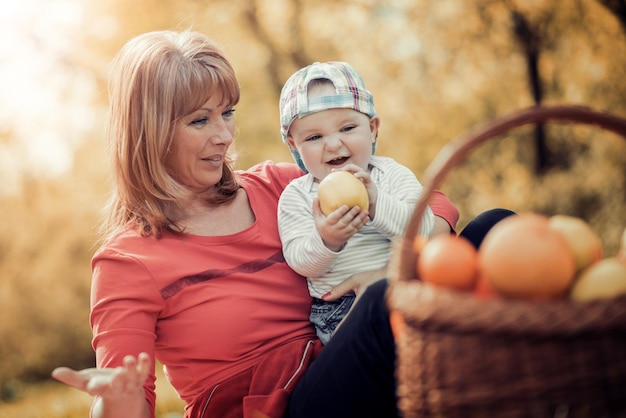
x,y
341,188
521,256
583,241
605,279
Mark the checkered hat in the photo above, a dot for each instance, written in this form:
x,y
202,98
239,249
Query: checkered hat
x,y
350,93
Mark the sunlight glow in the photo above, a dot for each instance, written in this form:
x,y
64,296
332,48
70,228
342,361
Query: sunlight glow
x,y
43,100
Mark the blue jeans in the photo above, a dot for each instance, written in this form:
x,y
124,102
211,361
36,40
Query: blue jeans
x,y
326,316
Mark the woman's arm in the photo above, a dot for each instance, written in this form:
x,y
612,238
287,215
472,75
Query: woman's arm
x,y
446,214
125,305
441,227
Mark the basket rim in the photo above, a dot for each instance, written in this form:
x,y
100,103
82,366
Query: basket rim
x,y
430,307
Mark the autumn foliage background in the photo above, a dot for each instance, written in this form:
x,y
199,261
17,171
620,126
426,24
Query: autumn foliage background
x,y
436,69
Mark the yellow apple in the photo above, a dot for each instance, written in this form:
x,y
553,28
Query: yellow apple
x,y
604,279
583,241
341,188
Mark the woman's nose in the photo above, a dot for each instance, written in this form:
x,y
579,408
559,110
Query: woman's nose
x,y
223,134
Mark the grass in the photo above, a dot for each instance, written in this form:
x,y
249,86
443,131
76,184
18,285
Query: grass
x,y
47,399
54,400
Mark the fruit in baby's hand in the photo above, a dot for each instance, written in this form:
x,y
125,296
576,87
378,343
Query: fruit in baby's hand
x,y
341,188
582,240
449,261
521,256
602,280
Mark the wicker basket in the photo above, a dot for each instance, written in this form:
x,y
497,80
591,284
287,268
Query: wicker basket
x,y
460,356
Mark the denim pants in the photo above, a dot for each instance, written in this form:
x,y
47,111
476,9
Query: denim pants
x,y
326,316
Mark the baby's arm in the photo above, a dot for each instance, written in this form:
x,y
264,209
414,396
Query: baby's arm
x,y
398,193
303,247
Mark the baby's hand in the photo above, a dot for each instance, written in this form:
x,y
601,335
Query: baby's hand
x,y
370,186
340,225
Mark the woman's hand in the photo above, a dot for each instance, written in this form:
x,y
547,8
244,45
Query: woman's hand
x,y
120,389
357,282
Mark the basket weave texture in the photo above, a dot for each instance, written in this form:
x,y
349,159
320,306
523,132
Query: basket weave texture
x,y
461,356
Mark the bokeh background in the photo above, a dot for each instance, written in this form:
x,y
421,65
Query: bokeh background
x,y
436,69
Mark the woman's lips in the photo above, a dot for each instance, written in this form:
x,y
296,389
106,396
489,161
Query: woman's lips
x,y
215,160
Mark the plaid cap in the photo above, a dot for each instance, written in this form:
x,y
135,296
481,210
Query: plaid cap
x,y
350,93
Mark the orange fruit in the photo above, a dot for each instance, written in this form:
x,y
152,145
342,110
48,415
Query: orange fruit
x,y
483,289
449,261
341,188
521,256
397,324
419,243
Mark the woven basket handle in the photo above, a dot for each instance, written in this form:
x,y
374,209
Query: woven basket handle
x,y
455,152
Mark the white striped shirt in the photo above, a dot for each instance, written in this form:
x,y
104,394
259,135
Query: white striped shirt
x,y
369,249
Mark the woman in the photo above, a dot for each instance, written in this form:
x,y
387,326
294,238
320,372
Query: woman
x,y
191,270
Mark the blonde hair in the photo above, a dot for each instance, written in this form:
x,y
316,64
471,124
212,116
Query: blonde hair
x,y
157,78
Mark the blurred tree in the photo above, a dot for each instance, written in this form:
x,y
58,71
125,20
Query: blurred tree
x,y
618,8
530,42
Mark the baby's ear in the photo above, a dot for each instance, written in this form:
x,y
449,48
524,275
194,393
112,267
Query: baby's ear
x,y
374,126
291,142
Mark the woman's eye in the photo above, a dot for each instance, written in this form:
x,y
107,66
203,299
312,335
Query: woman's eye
x,y
199,122
228,114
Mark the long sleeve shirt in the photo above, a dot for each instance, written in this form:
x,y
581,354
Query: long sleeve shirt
x,y
369,249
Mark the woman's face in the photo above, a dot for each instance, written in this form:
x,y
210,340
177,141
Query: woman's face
x,y
201,141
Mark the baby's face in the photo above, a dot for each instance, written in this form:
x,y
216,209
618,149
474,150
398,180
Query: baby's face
x,y
333,138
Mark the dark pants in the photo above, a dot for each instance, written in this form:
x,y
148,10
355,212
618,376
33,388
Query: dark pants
x,y
476,230
354,374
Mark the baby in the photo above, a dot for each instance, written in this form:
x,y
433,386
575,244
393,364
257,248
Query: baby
x,y
329,121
